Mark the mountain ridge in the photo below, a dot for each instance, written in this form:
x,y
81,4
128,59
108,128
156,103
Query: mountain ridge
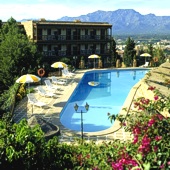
x,y
127,21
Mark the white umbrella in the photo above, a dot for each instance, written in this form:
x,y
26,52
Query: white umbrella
x,y
145,55
59,65
94,56
28,78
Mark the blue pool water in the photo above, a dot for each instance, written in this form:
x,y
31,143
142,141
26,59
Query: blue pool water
x,y
107,97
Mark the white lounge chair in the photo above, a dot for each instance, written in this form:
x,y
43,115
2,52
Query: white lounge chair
x,y
145,65
50,86
65,74
44,93
57,81
32,100
68,72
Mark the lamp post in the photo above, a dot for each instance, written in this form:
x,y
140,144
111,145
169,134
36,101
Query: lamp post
x,y
81,109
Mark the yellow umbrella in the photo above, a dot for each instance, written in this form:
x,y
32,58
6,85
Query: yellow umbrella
x,y
28,78
94,56
145,55
59,64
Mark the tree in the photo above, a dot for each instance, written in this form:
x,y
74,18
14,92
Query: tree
x,y
114,53
159,55
150,49
16,52
129,52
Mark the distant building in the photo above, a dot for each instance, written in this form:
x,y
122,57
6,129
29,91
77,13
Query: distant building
x,y
57,39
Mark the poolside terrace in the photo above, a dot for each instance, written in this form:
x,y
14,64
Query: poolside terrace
x,y
51,114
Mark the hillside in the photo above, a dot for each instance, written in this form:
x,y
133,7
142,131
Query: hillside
x,y
127,21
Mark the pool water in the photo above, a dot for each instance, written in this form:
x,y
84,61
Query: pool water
x,y
106,97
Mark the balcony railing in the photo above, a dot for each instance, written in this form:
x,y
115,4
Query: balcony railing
x,y
72,37
74,52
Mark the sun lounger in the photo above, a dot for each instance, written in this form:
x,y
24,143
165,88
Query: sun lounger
x,y
44,93
66,72
50,86
32,100
145,65
57,81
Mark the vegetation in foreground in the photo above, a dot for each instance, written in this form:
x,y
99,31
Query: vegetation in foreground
x,y
26,148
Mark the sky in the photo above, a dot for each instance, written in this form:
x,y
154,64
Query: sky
x,y
55,9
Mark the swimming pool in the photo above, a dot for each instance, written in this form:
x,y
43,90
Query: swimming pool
x,y
108,96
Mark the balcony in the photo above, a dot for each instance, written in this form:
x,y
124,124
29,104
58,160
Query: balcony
x,y
49,53
54,53
89,51
67,53
73,37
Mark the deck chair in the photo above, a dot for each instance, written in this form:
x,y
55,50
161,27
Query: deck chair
x,y
57,81
44,93
32,100
65,74
50,86
145,65
68,72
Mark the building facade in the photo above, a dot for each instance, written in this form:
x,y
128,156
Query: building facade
x,y
74,40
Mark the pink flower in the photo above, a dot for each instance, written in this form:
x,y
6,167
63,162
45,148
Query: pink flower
x,y
162,166
147,101
151,88
158,138
117,166
145,146
146,140
140,108
124,124
136,103
155,148
160,116
135,139
142,100
156,97
136,130
151,122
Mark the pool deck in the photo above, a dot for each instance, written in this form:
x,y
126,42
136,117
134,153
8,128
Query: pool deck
x,y
55,106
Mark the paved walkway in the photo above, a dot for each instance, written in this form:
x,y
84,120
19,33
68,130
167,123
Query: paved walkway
x,y
51,114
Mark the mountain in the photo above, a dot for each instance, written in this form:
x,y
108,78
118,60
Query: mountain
x,y
127,21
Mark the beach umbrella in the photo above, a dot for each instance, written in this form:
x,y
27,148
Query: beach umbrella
x,y
94,56
28,78
145,55
59,65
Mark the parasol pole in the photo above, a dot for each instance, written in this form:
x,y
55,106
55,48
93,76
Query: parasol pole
x,y
94,62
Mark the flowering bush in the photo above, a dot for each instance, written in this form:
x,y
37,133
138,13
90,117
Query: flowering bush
x,y
148,150
151,132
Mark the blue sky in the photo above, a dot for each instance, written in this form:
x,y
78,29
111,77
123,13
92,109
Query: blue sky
x,y
55,9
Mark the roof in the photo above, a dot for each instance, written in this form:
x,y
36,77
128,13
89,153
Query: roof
x,y
76,22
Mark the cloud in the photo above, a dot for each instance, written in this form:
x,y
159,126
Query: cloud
x,y
55,9
48,11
